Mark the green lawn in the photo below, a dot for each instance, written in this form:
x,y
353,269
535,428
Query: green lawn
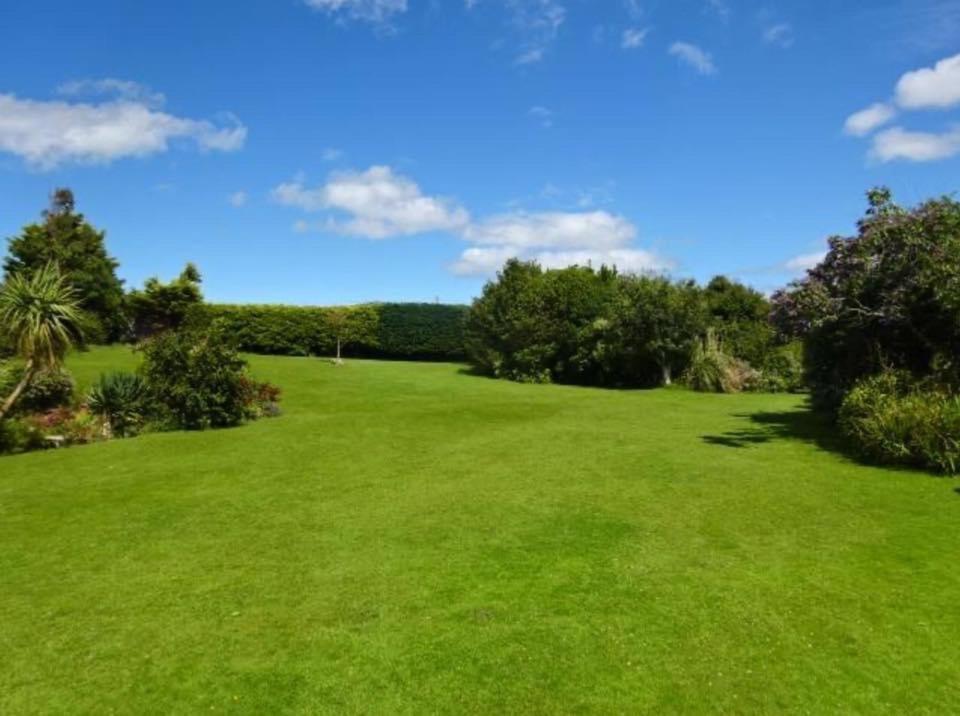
x,y
409,538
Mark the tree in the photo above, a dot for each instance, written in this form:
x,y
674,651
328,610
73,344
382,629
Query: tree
x,y
740,317
657,322
886,298
165,306
66,239
339,320
41,314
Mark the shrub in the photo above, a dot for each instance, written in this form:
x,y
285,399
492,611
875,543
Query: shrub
x,y
260,399
711,370
76,427
892,419
121,400
387,330
196,378
782,371
18,435
707,372
47,390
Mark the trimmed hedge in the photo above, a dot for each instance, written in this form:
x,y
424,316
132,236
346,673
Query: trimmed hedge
x,y
413,331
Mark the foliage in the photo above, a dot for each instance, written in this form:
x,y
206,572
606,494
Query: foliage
x,y
782,369
893,419
425,331
65,239
656,323
73,426
887,297
121,400
165,306
386,330
709,366
46,390
40,314
260,399
19,435
586,326
712,370
196,378
740,317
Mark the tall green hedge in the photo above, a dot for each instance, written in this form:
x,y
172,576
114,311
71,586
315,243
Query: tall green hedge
x,y
417,331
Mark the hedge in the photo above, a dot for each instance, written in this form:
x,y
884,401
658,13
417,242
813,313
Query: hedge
x,y
413,331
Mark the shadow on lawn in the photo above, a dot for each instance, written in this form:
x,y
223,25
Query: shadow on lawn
x,y
764,427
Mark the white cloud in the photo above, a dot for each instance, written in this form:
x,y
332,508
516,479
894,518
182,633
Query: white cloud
x,y
866,120
936,87
542,115
375,11
378,203
238,199
633,37
555,240
563,230
780,34
693,56
804,262
47,134
485,261
482,261
109,86
898,143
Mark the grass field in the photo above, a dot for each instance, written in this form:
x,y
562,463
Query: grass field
x,y
409,538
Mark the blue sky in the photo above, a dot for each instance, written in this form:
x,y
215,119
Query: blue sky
x,y
337,151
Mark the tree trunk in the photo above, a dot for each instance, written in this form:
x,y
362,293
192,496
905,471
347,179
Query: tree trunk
x,y
667,374
339,360
8,404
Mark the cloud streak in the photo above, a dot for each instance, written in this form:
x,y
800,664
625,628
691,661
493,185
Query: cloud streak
x,y
694,57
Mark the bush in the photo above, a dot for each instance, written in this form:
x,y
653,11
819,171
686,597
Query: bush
x,y
261,400
76,427
196,379
707,372
888,296
892,419
782,371
387,330
47,390
18,435
121,400
711,370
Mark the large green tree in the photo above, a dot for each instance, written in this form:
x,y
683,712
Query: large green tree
x,y
65,238
887,297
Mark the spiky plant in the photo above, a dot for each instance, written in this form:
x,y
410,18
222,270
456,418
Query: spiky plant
x,y
40,315
120,399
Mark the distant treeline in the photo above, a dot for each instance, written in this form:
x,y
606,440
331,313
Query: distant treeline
x,y
417,331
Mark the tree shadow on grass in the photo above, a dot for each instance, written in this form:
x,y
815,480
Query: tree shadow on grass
x,y
766,426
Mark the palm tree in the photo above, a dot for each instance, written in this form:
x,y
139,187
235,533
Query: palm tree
x,y
40,314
